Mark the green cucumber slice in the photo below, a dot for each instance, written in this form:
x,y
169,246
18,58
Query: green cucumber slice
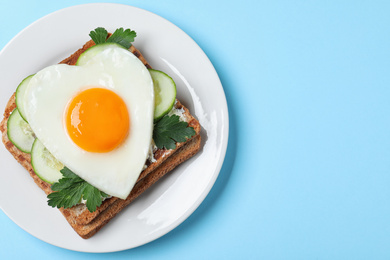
x,y
19,96
46,167
19,132
91,52
164,93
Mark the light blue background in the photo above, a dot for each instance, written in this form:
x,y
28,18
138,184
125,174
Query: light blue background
x,y
307,171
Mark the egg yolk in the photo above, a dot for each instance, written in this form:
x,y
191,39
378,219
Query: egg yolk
x,y
97,120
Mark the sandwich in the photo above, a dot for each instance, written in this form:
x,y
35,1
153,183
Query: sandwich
x,y
98,129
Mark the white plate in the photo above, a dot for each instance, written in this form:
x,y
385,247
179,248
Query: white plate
x,y
169,202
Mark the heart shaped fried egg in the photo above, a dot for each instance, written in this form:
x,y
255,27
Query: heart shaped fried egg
x,y
96,118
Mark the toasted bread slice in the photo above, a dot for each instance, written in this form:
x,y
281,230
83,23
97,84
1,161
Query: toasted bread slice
x,y
86,223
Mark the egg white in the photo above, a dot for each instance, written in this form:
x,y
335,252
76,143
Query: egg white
x,y
48,94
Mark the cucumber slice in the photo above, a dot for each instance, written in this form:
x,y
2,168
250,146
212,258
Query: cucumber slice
x,y
19,96
19,132
44,164
91,52
164,93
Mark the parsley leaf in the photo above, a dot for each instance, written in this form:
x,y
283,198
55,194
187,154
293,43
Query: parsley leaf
x,y
123,37
93,197
99,35
120,36
170,130
70,189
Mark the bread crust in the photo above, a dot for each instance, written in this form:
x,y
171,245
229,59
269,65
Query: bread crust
x,y
86,223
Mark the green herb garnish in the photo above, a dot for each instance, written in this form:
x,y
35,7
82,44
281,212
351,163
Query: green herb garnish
x,y
170,130
120,36
99,35
70,189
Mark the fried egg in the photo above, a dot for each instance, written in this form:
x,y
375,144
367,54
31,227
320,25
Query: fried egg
x,y
96,118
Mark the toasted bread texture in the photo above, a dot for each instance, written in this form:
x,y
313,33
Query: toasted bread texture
x,y
86,223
